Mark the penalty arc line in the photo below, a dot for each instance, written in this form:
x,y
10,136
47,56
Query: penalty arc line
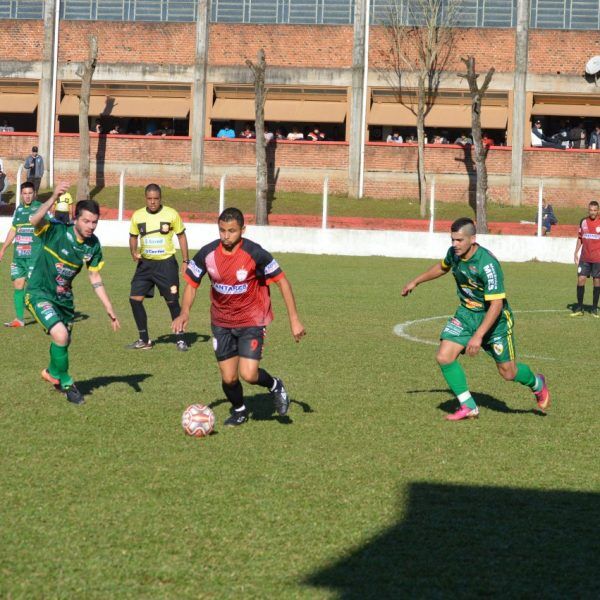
x,y
401,330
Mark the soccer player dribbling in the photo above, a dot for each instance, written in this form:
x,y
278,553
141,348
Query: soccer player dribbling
x,y
240,272
483,320
66,248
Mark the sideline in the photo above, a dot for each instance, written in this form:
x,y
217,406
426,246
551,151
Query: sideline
x,y
401,329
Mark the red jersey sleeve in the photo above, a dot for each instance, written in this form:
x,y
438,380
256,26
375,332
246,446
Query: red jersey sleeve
x,y
267,268
196,268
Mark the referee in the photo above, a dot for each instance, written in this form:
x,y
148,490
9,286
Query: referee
x,y
154,226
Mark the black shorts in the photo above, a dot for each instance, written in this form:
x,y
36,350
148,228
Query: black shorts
x,y
588,269
246,342
63,217
164,274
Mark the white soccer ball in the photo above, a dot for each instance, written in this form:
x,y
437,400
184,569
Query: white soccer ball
x,y
198,420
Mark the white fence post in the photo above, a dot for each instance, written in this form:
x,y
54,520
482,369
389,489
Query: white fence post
x,y
222,194
540,208
121,194
18,188
432,206
325,202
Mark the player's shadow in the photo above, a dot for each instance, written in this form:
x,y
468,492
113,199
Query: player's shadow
x,y
483,400
191,338
261,408
87,386
79,316
455,541
586,307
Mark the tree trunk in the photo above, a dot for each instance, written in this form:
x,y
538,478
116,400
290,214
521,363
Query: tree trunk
x,y
83,181
262,184
421,148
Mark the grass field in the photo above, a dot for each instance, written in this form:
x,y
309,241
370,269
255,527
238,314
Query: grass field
x,y
296,203
364,491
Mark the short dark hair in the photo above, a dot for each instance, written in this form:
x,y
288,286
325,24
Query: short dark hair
x,y
232,214
27,184
464,223
594,203
89,205
34,149
153,187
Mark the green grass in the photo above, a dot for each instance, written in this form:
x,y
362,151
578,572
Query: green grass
x,y
364,492
207,200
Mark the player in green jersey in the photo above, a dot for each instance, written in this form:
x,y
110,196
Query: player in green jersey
x,y
483,320
66,248
26,247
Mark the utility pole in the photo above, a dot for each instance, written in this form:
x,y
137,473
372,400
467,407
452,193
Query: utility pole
x,y
519,102
198,113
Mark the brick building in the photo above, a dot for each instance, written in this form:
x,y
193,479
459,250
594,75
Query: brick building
x,y
165,67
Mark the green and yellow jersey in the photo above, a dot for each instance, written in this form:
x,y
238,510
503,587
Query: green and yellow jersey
x,y
156,231
479,279
61,257
26,244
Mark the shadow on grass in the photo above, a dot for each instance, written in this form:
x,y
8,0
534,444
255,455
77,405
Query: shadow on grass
x,y
483,400
476,542
191,338
586,307
261,408
87,386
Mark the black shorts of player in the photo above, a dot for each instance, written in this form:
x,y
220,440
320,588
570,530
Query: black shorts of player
x,y
63,217
588,269
246,342
164,274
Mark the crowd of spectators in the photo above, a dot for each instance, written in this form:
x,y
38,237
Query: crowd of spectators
x,y
438,137
568,135
134,126
295,134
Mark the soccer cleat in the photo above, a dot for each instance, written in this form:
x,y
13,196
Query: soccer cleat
x,y
73,394
577,312
52,380
280,397
543,396
464,412
140,345
14,323
182,346
595,313
238,417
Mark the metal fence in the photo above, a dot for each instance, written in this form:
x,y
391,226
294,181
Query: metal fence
x,y
545,14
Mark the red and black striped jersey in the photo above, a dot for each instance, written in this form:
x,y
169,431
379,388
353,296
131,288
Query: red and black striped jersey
x,y
589,234
239,283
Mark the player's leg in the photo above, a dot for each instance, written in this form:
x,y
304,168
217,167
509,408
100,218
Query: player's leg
x,y
19,302
167,281
583,272
141,287
251,342
226,352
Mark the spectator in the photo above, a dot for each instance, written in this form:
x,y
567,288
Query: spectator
x,y
247,132
411,139
279,134
34,164
165,129
116,130
595,139
548,217
463,140
98,126
539,139
268,134
226,133
295,135
487,140
151,127
6,127
316,136
577,135
394,138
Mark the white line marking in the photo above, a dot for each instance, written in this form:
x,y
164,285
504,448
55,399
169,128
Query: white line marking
x,y
401,330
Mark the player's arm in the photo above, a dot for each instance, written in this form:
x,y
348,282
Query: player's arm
x,y
287,294
577,250
8,241
98,285
491,316
133,247
180,323
36,218
183,246
432,273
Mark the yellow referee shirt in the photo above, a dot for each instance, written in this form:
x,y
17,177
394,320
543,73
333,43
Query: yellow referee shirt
x,y
156,231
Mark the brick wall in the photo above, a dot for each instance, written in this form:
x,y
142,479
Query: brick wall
x,y
21,40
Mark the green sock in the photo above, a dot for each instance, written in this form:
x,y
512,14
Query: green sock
x,y
19,298
59,364
457,382
525,376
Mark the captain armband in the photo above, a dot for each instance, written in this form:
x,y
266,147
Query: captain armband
x,y
97,285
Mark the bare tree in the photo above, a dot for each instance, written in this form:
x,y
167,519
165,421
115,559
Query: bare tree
x,y
260,94
86,74
421,37
481,150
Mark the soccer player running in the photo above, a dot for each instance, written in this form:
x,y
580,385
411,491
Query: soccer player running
x,y
26,247
66,248
588,263
483,320
240,272
155,226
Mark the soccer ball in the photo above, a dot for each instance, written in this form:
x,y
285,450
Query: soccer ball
x,y
198,420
